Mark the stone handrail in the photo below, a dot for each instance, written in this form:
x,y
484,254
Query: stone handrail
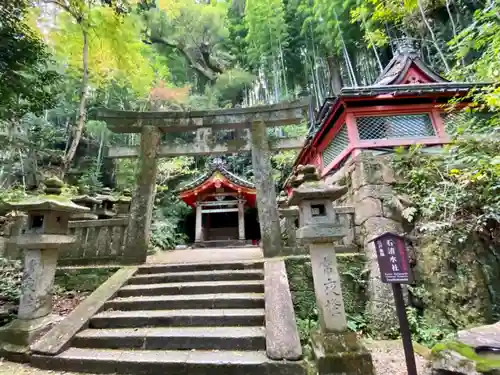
x,y
97,242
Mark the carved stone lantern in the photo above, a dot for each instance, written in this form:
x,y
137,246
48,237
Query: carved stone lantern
x,y
106,208
86,201
46,234
123,203
290,214
336,349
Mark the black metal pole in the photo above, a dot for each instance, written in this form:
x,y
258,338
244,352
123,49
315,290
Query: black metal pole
x,y
404,328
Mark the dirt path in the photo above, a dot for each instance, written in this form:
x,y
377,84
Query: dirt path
x,y
10,368
388,358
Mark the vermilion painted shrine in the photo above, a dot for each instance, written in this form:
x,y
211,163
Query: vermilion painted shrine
x,y
219,198
405,105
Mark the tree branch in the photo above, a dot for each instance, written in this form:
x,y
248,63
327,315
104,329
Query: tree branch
x,y
206,70
205,54
78,17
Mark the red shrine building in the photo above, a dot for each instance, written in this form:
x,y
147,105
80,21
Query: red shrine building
x,y
220,200
404,106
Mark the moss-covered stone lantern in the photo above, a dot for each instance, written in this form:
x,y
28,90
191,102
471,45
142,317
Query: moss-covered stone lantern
x,y
290,214
336,349
123,203
45,235
86,201
106,208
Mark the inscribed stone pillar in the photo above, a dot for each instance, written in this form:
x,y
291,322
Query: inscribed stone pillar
x,y
327,288
45,235
266,195
199,227
241,219
337,350
141,208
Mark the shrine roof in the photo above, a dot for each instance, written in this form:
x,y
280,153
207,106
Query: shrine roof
x,y
405,58
405,77
236,180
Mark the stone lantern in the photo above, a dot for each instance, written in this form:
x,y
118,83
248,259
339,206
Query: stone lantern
x,y
123,203
106,209
336,349
290,214
45,235
87,201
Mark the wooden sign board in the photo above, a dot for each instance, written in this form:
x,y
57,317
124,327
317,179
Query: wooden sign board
x,y
393,261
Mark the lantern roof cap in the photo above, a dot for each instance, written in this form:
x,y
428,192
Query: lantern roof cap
x,y
85,199
309,186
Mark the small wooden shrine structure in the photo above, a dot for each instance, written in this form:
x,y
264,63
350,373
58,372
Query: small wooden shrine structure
x,y
405,105
219,198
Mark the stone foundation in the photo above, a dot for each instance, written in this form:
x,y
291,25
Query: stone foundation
x,y
341,354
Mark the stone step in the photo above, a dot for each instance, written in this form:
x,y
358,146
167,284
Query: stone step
x,y
184,301
199,287
176,318
161,362
173,338
169,268
221,275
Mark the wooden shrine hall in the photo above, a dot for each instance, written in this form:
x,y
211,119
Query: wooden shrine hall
x,y
220,199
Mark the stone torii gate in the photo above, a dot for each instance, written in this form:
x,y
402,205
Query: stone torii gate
x,y
250,133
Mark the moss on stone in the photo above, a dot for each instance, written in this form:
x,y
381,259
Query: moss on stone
x,y
82,279
483,364
454,287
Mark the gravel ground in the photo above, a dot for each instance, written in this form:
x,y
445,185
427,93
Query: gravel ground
x,y
389,358
10,368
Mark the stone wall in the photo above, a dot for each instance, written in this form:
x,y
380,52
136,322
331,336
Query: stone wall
x,y
370,180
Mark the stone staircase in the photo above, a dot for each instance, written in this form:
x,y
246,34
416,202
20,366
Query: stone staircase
x,y
178,319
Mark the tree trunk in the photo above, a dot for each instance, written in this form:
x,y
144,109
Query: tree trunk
x,y
78,129
335,75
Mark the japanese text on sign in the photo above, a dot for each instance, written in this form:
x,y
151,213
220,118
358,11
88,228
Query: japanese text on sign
x,y
393,260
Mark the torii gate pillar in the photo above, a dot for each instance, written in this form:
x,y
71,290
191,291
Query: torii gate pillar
x,y
141,208
269,222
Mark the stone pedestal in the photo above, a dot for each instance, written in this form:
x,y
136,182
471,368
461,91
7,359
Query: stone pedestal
x,y
340,353
337,350
46,234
